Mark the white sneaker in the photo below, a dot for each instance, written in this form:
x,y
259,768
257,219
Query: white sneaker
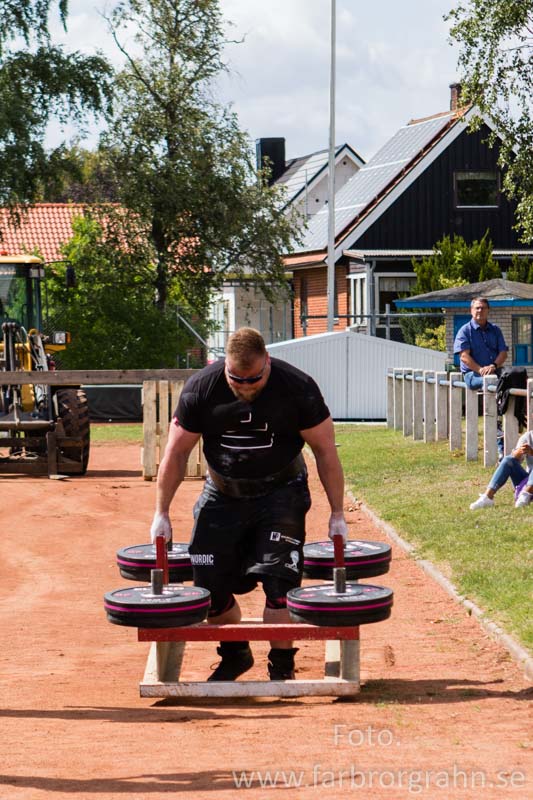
x,y
482,502
524,499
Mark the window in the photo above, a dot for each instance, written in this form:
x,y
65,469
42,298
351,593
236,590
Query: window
x,y
522,340
390,288
477,189
358,300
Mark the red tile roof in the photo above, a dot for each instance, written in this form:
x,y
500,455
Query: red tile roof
x,y
44,227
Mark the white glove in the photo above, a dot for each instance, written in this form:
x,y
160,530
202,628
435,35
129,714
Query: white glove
x,y
161,526
337,526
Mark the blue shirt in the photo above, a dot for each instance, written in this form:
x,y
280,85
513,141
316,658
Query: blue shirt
x,y
484,344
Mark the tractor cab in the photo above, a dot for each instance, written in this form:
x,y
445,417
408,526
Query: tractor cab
x,y
20,290
37,416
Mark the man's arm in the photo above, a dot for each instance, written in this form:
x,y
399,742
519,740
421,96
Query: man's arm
x,y
174,464
171,473
321,440
490,369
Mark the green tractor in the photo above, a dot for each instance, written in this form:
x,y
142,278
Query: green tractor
x,y
44,427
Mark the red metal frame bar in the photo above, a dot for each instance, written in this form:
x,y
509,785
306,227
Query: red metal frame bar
x,y
338,549
250,630
161,559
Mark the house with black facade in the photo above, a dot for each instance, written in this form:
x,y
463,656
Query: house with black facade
x,y
433,178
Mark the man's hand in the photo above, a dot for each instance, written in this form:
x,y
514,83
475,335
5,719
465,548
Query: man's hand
x,y
161,526
337,526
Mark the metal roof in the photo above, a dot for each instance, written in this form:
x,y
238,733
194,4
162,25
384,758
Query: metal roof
x,y
498,291
361,255
371,180
405,253
301,172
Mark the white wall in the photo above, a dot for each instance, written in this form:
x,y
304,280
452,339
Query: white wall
x,y
351,368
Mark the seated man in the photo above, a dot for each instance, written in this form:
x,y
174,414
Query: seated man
x,y
481,346
511,467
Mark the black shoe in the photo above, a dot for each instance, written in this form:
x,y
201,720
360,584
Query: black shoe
x,y
236,658
281,664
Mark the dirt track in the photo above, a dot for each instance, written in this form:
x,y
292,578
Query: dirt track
x,y
444,712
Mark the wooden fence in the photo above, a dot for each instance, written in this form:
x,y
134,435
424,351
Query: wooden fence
x,y
159,399
161,390
433,406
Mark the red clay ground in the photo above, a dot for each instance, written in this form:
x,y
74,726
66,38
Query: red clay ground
x,y
444,712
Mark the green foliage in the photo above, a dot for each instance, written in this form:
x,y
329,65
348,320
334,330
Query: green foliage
x,y
455,263
452,263
180,161
496,59
111,311
424,491
521,270
84,177
432,338
39,83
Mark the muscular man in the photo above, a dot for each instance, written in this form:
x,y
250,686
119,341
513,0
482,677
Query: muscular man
x,y
254,414
480,344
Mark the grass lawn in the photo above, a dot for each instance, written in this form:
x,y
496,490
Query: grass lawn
x,y
424,491
117,432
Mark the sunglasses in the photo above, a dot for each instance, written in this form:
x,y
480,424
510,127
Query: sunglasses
x,y
253,379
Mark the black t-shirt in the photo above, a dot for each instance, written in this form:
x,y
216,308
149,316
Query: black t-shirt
x,y
251,440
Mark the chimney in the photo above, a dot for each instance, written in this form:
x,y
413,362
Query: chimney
x,y
455,96
273,150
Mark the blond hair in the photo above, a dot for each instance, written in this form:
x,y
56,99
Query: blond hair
x,y
245,346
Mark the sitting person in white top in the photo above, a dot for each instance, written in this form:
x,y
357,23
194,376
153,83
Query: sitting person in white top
x,y
511,467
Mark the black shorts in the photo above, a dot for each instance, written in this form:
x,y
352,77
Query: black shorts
x,y
237,541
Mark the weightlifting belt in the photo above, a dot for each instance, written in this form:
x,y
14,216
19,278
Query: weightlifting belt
x,y
255,487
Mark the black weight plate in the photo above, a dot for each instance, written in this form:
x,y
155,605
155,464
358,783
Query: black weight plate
x,y
362,559
360,604
135,562
138,607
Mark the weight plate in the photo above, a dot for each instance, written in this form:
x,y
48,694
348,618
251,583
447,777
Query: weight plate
x,y
135,562
361,603
138,607
362,559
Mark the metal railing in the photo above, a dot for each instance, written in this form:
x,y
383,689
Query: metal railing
x,y
428,406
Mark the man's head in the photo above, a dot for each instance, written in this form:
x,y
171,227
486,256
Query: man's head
x,y
247,363
479,308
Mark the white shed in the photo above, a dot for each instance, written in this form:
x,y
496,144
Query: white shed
x,y
351,368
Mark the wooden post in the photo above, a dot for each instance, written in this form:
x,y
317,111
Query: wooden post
x,y
407,405
148,458
160,398
472,417
429,405
398,399
456,412
418,405
490,422
529,406
390,398
442,396
163,418
510,427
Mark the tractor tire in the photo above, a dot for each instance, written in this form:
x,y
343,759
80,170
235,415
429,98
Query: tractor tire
x,y
73,411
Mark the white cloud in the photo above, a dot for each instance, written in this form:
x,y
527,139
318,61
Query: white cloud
x,y
393,63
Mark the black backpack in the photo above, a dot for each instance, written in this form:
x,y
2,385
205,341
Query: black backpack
x,y
515,378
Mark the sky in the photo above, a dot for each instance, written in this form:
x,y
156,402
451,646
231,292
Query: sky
x,y
393,63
